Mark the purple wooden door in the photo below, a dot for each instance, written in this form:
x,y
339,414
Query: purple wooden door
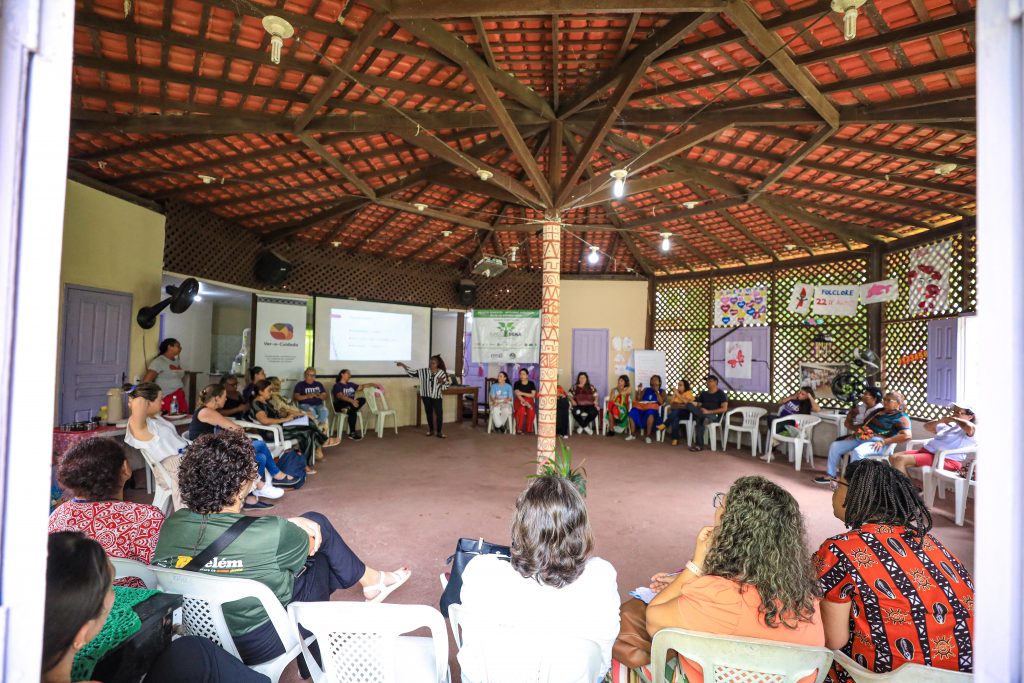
x,y
942,359
94,357
590,355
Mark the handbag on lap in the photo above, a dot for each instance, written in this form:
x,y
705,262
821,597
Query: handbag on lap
x,y
465,550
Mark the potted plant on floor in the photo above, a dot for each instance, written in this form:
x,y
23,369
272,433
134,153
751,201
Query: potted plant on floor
x,y
559,464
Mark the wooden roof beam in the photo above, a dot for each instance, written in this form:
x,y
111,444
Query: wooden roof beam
x,y
441,9
335,163
772,47
628,75
793,159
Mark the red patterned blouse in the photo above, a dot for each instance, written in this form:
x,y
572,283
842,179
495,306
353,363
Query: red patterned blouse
x,y
912,602
125,530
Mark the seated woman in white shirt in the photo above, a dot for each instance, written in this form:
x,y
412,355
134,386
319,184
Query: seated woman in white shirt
x,y
148,430
551,585
952,432
500,400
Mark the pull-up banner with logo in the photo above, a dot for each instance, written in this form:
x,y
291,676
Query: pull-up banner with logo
x,y
280,336
506,336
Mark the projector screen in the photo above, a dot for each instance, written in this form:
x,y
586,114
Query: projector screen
x,y
368,337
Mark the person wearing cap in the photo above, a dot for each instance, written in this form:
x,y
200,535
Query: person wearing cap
x,y
952,432
870,403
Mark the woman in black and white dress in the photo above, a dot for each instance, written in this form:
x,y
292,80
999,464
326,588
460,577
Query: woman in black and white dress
x,y
433,381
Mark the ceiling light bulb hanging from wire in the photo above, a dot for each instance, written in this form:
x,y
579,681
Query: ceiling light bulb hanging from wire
x,y
279,29
666,245
592,257
848,8
619,185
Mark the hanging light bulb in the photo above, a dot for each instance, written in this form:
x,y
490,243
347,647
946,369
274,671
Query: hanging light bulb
x,y
666,245
279,29
619,186
592,257
848,8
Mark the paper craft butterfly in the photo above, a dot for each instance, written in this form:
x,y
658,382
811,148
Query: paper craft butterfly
x,y
737,361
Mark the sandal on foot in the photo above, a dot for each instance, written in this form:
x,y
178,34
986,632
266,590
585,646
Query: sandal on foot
x,y
310,470
400,575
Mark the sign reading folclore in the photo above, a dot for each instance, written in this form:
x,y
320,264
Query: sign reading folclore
x,y
506,336
280,336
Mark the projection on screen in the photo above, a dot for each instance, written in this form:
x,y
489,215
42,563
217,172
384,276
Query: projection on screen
x,y
370,335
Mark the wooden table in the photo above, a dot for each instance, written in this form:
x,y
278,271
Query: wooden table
x,y
455,391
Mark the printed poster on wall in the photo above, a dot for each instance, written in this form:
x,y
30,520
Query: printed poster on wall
x,y
928,277
836,299
647,363
506,336
819,377
738,358
878,292
280,338
800,298
741,306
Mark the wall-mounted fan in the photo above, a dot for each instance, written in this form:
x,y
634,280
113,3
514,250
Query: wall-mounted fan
x,y
179,299
848,385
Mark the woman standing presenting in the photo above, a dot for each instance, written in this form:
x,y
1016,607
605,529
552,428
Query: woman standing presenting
x,y
167,372
433,381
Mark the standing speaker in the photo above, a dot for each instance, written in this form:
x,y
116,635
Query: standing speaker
x,y
270,268
467,292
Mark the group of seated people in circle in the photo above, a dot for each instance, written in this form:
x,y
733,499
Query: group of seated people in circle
x,y
887,592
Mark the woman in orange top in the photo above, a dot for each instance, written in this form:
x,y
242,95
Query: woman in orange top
x,y
751,574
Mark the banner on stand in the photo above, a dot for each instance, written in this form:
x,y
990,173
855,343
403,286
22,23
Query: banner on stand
x,y
280,337
506,336
836,299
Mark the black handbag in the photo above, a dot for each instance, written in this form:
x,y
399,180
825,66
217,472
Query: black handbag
x,y
465,550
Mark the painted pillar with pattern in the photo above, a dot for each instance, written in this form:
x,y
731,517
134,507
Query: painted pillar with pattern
x,y
548,391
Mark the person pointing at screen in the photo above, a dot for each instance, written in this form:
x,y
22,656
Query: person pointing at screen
x,y
433,381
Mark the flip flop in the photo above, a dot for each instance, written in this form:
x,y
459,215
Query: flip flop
x,y
402,575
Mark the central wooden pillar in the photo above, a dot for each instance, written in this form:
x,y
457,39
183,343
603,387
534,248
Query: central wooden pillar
x,y
548,391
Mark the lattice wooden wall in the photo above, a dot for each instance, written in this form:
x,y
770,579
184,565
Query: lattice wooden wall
x,y
201,244
683,320
904,334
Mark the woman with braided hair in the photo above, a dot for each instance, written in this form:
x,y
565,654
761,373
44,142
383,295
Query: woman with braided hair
x,y
893,594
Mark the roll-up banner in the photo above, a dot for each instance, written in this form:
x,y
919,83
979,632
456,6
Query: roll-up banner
x,y
280,336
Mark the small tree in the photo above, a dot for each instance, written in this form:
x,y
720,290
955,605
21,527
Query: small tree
x,y
559,464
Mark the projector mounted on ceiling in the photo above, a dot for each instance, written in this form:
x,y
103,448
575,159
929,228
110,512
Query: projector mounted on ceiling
x,y
490,266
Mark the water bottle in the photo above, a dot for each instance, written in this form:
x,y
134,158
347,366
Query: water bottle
x,y
174,405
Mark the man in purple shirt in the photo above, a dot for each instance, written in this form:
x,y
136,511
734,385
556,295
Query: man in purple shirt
x,y
309,395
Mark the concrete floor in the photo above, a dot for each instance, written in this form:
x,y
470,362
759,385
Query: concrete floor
x,y
404,501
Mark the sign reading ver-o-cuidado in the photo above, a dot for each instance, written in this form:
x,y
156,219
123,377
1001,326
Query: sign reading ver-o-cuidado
x,y
280,336
506,336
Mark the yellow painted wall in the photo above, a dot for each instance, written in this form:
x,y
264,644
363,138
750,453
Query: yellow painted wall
x,y
619,305
115,245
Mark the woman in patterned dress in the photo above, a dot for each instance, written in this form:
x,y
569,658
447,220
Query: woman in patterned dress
x,y
95,472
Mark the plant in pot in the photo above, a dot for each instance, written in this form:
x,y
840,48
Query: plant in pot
x,y
559,464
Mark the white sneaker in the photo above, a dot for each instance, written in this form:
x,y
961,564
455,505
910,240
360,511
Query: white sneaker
x,y
647,439
630,437
268,491
767,458
589,429
579,430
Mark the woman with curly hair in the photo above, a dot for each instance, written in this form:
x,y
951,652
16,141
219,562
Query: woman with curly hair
x,y
95,472
551,579
300,559
751,574
893,594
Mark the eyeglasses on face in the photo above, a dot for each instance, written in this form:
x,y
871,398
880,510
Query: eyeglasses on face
x,y
718,500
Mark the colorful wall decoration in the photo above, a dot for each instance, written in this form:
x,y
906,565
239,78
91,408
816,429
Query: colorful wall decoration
x,y
928,277
741,306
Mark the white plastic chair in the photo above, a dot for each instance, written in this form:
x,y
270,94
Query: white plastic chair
x,y
278,444
363,642
750,424
204,596
339,422
797,444
378,406
597,424
711,433
937,477
663,433
512,654
908,673
163,497
510,423
735,659
133,568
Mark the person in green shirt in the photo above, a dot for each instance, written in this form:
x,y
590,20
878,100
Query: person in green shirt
x,y
300,559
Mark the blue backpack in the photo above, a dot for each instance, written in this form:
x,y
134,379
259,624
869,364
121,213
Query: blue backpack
x,y
294,465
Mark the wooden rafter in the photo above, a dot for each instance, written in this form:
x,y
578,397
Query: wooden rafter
x,y
440,9
628,76
334,162
772,48
793,159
